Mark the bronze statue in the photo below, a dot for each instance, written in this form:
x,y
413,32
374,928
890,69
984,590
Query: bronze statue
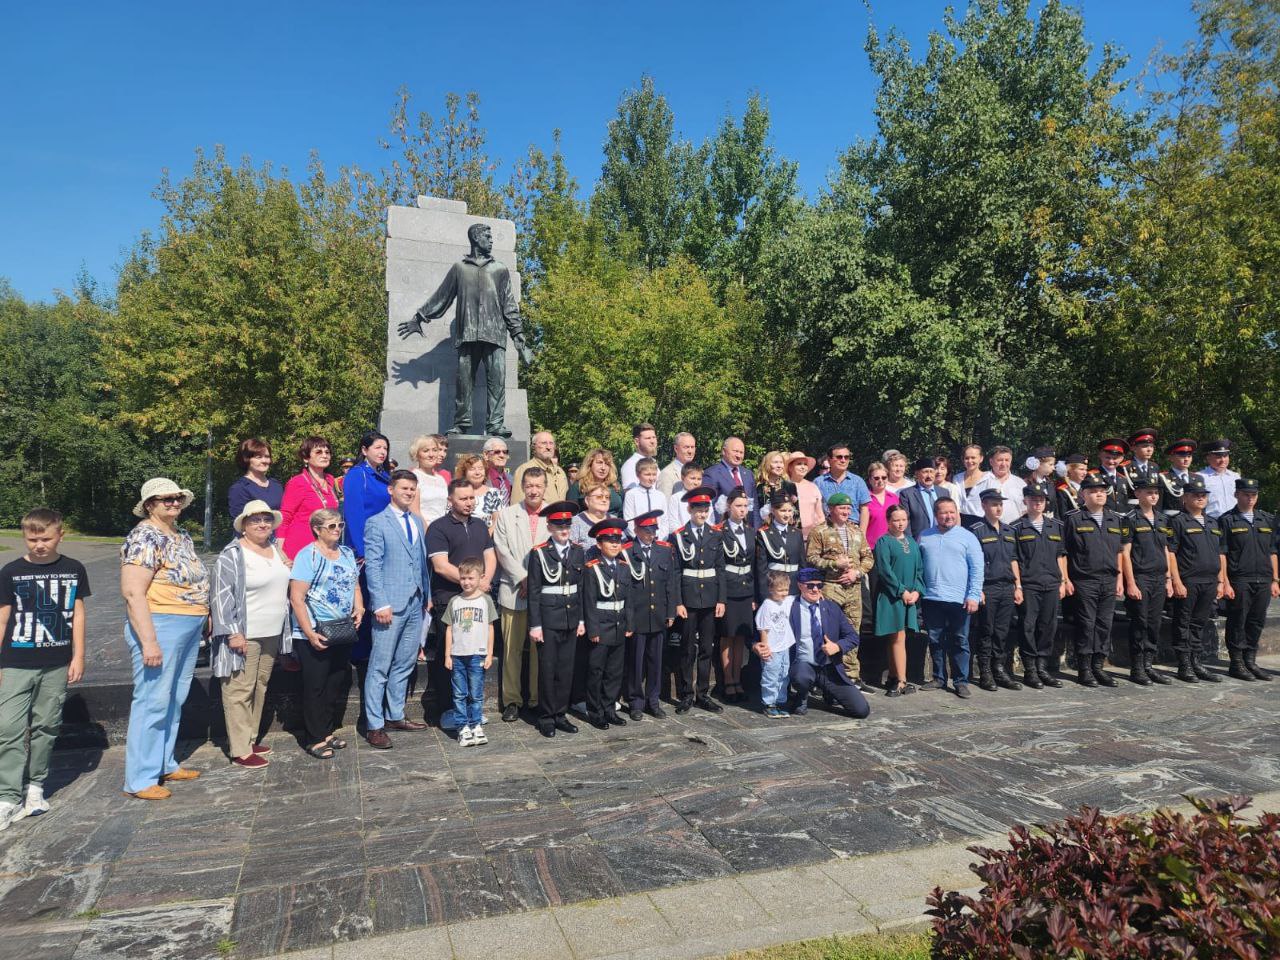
x,y
487,312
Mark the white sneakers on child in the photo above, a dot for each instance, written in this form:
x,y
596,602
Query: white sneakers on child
x,y
464,737
36,803
472,736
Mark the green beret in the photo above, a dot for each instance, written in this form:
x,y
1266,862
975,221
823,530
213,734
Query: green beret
x,y
839,499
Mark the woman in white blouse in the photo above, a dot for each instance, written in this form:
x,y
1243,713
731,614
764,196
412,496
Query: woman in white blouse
x,y
432,503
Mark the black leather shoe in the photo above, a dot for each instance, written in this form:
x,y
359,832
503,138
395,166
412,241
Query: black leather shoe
x,y
598,722
511,714
1044,670
547,732
682,706
1087,679
566,726
706,703
657,713
613,720
637,715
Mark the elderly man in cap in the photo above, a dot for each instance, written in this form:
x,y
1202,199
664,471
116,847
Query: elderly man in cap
x,y
1001,592
1219,478
1042,572
1068,491
838,548
555,615
700,598
921,496
1196,568
1250,576
1111,453
824,637
953,571
1094,539
1147,581
1179,453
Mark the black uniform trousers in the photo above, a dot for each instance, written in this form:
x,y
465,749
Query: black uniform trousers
x,y
644,669
1247,613
556,655
1144,616
697,649
992,622
1039,621
1192,615
605,665
581,660
807,676
1095,603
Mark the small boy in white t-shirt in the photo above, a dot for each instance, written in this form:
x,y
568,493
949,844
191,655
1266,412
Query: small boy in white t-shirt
x,y
773,620
468,650
645,497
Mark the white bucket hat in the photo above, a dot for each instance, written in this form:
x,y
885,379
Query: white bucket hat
x,y
160,487
252,509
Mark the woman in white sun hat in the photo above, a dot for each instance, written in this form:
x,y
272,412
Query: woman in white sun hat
x,y
166,593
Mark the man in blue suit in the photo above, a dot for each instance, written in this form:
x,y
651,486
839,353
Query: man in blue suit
x,y
823,636
729,474
920,499
395,563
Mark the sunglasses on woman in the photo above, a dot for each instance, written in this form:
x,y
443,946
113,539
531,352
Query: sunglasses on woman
x,y
336,525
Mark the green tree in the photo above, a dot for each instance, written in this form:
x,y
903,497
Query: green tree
x,y
542,198
258,310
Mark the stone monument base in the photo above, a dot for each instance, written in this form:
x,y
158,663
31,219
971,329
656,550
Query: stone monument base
x,y
462,443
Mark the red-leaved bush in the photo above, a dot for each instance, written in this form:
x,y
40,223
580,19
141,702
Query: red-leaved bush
x,y
1123,888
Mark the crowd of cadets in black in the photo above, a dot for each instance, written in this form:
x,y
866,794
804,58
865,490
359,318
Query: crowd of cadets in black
x,y
604,618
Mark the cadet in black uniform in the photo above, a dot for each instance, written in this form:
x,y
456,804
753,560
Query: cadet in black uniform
x,y
1195,542
699,599
1179,453
1042,570
779,545
1111,452
555,615
737,626
1147,581
1043,476
1251,577
1094,538
1068,498
651,573
1001,591
608,621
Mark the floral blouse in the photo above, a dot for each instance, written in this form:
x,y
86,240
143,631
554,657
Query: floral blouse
x,y
181,581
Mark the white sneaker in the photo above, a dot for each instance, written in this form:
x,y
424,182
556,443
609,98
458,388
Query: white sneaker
x,y
8,813
477,736
466,737
35,804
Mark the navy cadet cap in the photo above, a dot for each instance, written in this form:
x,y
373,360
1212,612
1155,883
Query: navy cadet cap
x,y
1194,484
1093,482
991,494
1032,491
1146,482
1077,458
1044,453
1246,485
779,497
610,528
1221,445
560,513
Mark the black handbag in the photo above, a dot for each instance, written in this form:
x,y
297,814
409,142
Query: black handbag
x,y
338,632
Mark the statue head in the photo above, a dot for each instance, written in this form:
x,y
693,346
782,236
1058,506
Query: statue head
x,y
481,239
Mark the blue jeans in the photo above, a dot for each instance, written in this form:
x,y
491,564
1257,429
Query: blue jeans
x,y
468,689
158,696
948,628
391,662
775,673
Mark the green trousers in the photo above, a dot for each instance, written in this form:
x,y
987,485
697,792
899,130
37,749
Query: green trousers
x,y
30,699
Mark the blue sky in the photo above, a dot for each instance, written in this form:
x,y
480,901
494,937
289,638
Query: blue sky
x,y
97,99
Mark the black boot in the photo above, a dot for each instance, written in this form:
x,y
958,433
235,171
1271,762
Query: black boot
x,y
1045,670
1154,675
1031,673
978,668
1138,669
1238,669
1002,677
1251,664
1198,669
1185,671
987,680
1104,679
1084,667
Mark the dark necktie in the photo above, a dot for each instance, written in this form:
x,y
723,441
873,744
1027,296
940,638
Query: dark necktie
x,y
644,554
408,529
697,535
815,629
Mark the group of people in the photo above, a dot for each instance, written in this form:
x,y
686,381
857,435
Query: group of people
x,y
592,586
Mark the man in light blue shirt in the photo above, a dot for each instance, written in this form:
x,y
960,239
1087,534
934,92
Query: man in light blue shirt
x,y
1219,478
953,570
840,479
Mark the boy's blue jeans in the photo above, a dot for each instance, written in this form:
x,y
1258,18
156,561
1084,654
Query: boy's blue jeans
x,y
775,675
468,689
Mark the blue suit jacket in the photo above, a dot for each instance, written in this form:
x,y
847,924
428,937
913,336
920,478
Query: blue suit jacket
x,y
837,628
920,514
719,477
394,570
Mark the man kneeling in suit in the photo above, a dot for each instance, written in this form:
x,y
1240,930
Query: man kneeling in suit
x,y
823,636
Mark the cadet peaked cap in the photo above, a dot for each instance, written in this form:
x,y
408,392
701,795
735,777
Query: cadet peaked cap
x,y
1147,482
1182,445
649,519
1194,484
1032,491
1113,445
779,497
1093,482
1221,445
610,528
809,575
560,513
1246,485
991,494
1143,435
700,497
1044,453
1077,458
840,500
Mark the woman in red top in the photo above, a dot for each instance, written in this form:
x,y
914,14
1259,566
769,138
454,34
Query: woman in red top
x,y
311,490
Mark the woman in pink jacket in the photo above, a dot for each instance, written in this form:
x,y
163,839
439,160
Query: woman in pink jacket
x,y
311,490
809,512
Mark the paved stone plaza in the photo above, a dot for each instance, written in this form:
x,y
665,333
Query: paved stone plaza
x,y
308,853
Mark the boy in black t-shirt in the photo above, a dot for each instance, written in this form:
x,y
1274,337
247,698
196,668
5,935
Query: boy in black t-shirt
x,y
42,625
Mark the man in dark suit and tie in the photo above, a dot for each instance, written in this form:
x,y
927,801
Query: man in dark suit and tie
x,y
920,498
823,636
730,474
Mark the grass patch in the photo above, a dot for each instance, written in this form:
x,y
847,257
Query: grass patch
x,y
226,946
871,946
69,537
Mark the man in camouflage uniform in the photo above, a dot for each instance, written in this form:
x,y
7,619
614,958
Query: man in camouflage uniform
x,y
839,549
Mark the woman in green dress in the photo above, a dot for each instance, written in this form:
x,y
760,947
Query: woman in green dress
x,y
899,585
